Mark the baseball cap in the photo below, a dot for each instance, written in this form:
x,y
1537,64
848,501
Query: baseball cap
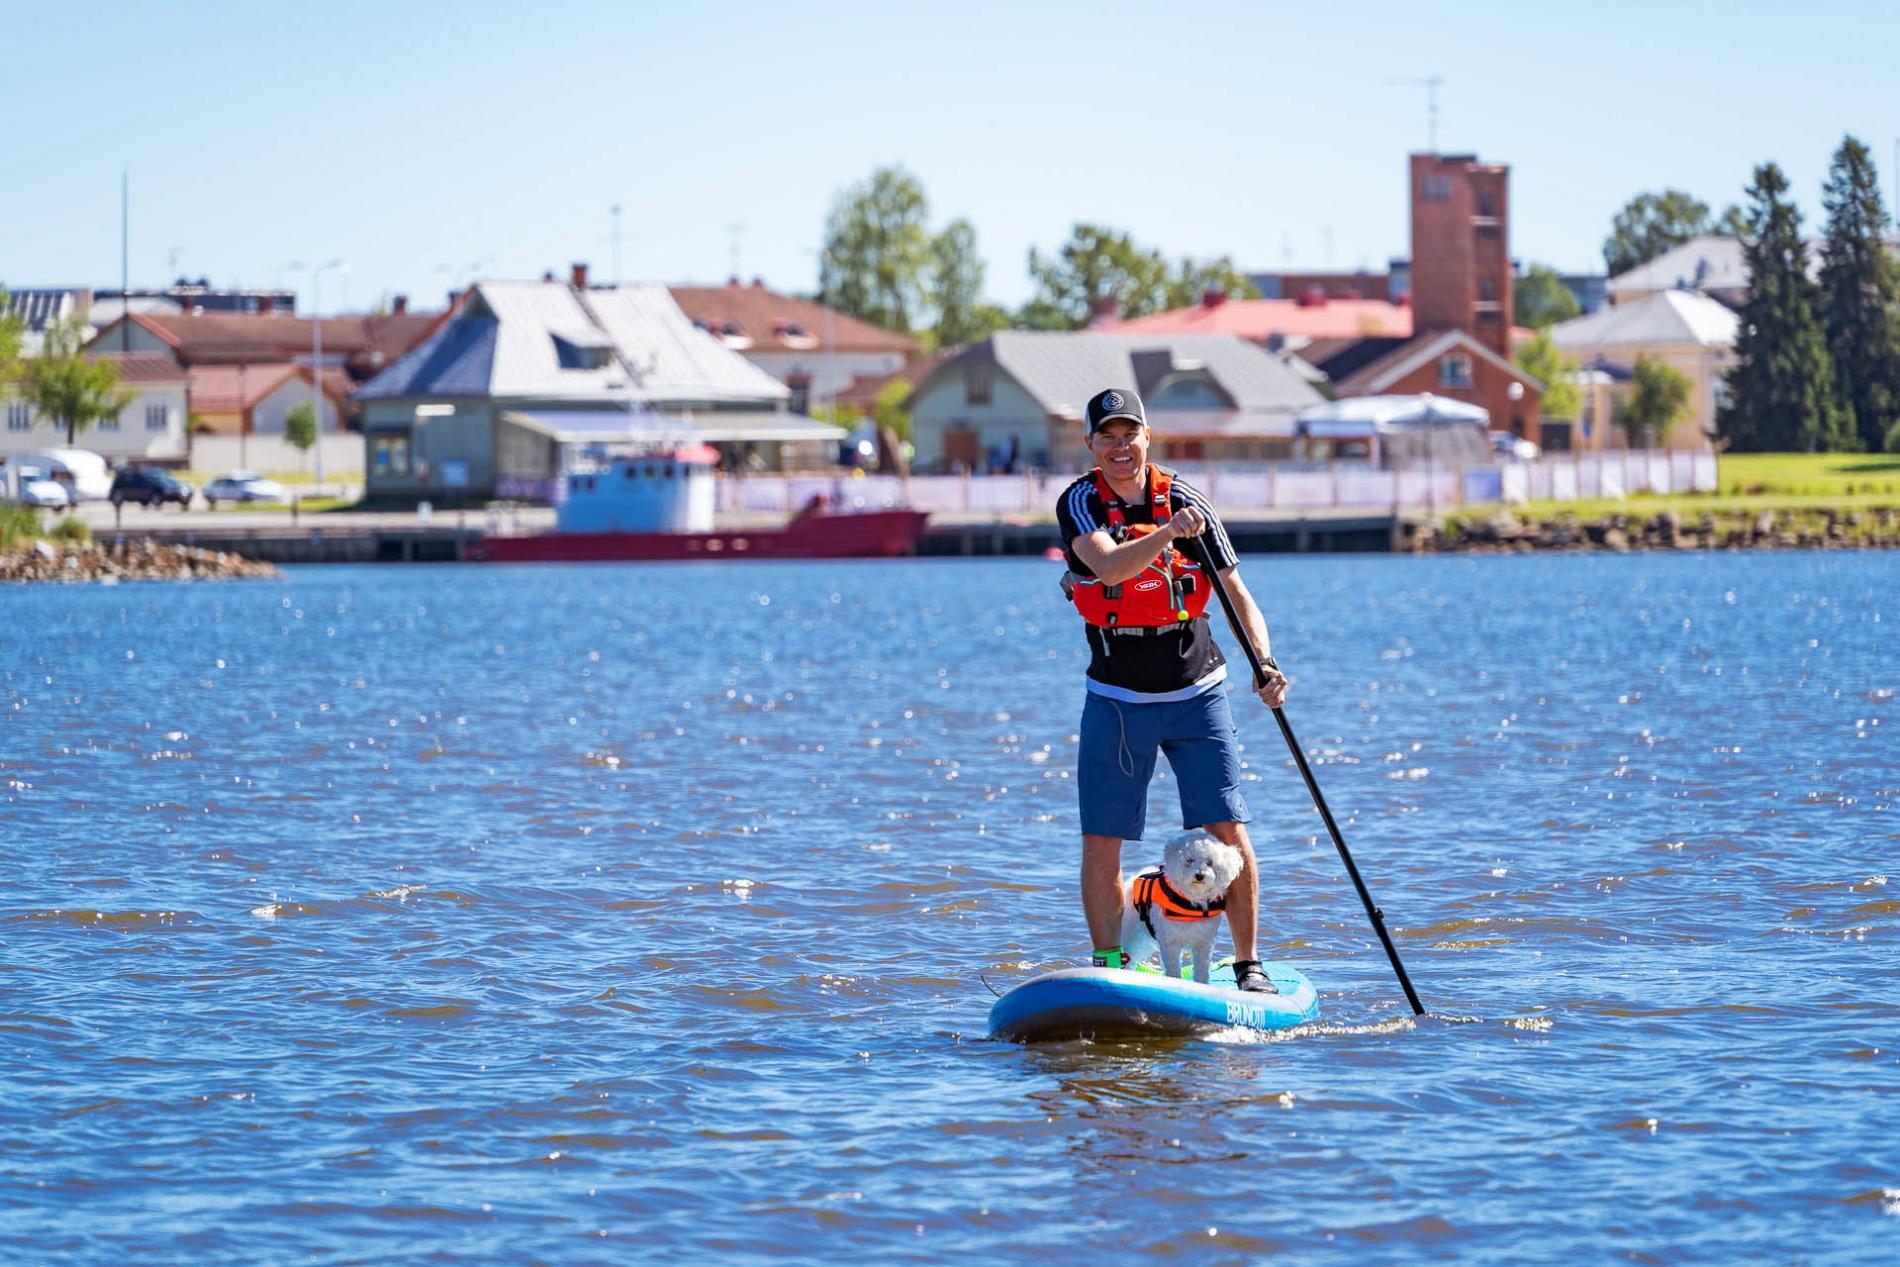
x,y
1116,402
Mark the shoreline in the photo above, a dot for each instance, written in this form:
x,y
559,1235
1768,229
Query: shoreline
x,y
1505,532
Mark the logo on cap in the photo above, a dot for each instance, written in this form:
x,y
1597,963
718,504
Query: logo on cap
x,y
1113,400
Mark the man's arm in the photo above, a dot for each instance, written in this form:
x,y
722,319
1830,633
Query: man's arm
x,y
1113,564
1273,694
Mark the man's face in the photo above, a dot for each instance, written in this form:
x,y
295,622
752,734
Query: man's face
x,y
1121,448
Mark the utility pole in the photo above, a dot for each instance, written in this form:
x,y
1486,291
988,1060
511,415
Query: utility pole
x,y
125,259
1431,83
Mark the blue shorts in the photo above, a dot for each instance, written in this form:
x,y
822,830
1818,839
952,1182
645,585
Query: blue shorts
x,y
1117,759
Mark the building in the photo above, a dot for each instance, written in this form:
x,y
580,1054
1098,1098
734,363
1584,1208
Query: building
x,y
246,400
361,347
814,350
1716,266
1014,401
1277,323
1450,363
1461,255
150,428
40,306
1685,329
496,399
1391,286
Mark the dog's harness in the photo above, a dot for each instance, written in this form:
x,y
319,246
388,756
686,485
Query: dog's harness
x,y
1151,889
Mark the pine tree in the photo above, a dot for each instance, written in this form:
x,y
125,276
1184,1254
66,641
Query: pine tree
x,y
1781,391
1860,297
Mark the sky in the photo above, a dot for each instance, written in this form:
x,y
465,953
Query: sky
x,y
427,145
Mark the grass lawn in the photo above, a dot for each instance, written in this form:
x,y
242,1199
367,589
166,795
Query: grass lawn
x,y
1749,483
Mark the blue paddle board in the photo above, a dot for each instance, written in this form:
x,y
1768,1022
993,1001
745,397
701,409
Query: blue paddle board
x,y
1117,1003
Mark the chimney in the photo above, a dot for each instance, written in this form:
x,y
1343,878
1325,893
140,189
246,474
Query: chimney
x,y
732,281
548,275
1104,312
401,305
1312,297
580,277
266,305
1213,297
758,283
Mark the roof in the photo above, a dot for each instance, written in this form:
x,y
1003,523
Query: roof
x,y
503,342
1377,375
1261,319
767,321
862,391
1706,263
1669,316
233,389
1369,415
1342,358
143,367
230,338
1061,370
37,306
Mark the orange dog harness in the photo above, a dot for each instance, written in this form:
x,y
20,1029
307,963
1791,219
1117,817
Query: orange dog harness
x,y
1151,889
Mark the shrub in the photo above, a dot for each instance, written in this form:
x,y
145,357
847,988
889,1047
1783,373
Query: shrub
x,y
71,528
18,525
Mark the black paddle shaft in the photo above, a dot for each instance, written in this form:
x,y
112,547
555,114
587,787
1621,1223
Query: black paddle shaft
x,y
1373,912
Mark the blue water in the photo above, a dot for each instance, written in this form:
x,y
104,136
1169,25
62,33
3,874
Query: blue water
x,y
641,914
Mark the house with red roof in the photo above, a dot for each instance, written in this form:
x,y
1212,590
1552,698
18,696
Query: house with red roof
x,y
1277,323
150,428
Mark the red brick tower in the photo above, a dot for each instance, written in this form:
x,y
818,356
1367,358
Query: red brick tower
x,y
1461,254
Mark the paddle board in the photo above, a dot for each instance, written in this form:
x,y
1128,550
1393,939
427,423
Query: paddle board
x,y
1118,1003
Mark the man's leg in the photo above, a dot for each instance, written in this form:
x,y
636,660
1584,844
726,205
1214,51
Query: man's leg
x,y
1102,889
1243,899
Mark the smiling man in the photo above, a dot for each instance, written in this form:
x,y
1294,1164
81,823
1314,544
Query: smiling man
x,y
1155,676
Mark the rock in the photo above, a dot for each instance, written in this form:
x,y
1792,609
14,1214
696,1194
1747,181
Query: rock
x,y
1765,523
1615,539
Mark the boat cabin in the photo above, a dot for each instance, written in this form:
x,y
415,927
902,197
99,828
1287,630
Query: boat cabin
x,y
661,490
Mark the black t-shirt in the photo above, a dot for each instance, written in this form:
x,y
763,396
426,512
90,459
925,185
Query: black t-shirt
x,y
1174,665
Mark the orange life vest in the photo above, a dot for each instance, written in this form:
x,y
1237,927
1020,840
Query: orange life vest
x,y
1169,591
1151,889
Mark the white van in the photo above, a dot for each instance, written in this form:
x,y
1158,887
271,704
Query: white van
x,y
84,473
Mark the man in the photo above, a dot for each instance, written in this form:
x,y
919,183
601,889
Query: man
x,y
1155,674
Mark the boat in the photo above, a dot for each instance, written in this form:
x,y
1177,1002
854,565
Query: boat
x,y
658,504
1078,1003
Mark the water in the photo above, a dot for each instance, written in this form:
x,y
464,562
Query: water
x,y
640,914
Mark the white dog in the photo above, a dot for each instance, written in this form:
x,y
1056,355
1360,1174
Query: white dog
x,y
1178,904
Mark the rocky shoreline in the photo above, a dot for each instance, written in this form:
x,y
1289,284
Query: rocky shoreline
x,y
87,563
1768,530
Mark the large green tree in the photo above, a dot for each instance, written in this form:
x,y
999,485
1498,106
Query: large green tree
x,y
63,384
1650,224
877,250
1781,391
1860,298
1540,358
1658,399
1539,299
955,287
1095,266
1191,279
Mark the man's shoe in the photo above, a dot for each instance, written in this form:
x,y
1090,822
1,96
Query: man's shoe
x,y
1252,978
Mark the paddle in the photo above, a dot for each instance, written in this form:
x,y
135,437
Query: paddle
x,y
1373,913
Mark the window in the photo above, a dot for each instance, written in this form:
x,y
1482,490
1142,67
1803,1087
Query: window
x,y
389,455
1437,189
19,416
1487,205
977,384
157,417
109,424
1487,291
1455,371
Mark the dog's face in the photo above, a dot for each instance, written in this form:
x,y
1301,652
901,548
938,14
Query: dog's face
x,y
1200,867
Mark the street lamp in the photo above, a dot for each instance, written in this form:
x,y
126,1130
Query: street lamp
x,y
316,345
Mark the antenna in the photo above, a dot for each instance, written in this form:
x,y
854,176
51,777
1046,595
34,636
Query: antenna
x,y
1431,83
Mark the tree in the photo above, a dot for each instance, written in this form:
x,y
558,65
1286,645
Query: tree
x,y
1097,266
876,250
1539,299
74,390
887,410
1781,390
300,427
12,327
1650,224
1193,278
1860,297
955,289
1540,358
1658,400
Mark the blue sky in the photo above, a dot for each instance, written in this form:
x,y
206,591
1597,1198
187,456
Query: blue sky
x,y
427,143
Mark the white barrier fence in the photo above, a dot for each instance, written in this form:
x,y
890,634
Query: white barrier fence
x,y
1275,486
272,455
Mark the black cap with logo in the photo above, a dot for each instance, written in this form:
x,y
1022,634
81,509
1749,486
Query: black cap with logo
x,y
1116,402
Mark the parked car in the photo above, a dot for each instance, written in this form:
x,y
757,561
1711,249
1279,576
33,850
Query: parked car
x,y
1506,445
44,494
242,486
149,486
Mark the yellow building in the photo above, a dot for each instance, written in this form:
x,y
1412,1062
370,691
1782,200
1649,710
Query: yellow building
x,y
1686,330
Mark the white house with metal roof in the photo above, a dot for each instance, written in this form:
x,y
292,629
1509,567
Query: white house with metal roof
x,y
1014,401
1684,329
522,371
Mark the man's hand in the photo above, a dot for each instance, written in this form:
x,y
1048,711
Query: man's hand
x,y
1186,522
1273,694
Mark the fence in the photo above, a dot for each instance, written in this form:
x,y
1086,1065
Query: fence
x,y
272,455
1276,486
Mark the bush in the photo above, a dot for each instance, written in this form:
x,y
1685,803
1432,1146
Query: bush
x,y
18,525
71,528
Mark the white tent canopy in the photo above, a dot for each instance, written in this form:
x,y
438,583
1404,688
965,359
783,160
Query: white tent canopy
x,y
1402,430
